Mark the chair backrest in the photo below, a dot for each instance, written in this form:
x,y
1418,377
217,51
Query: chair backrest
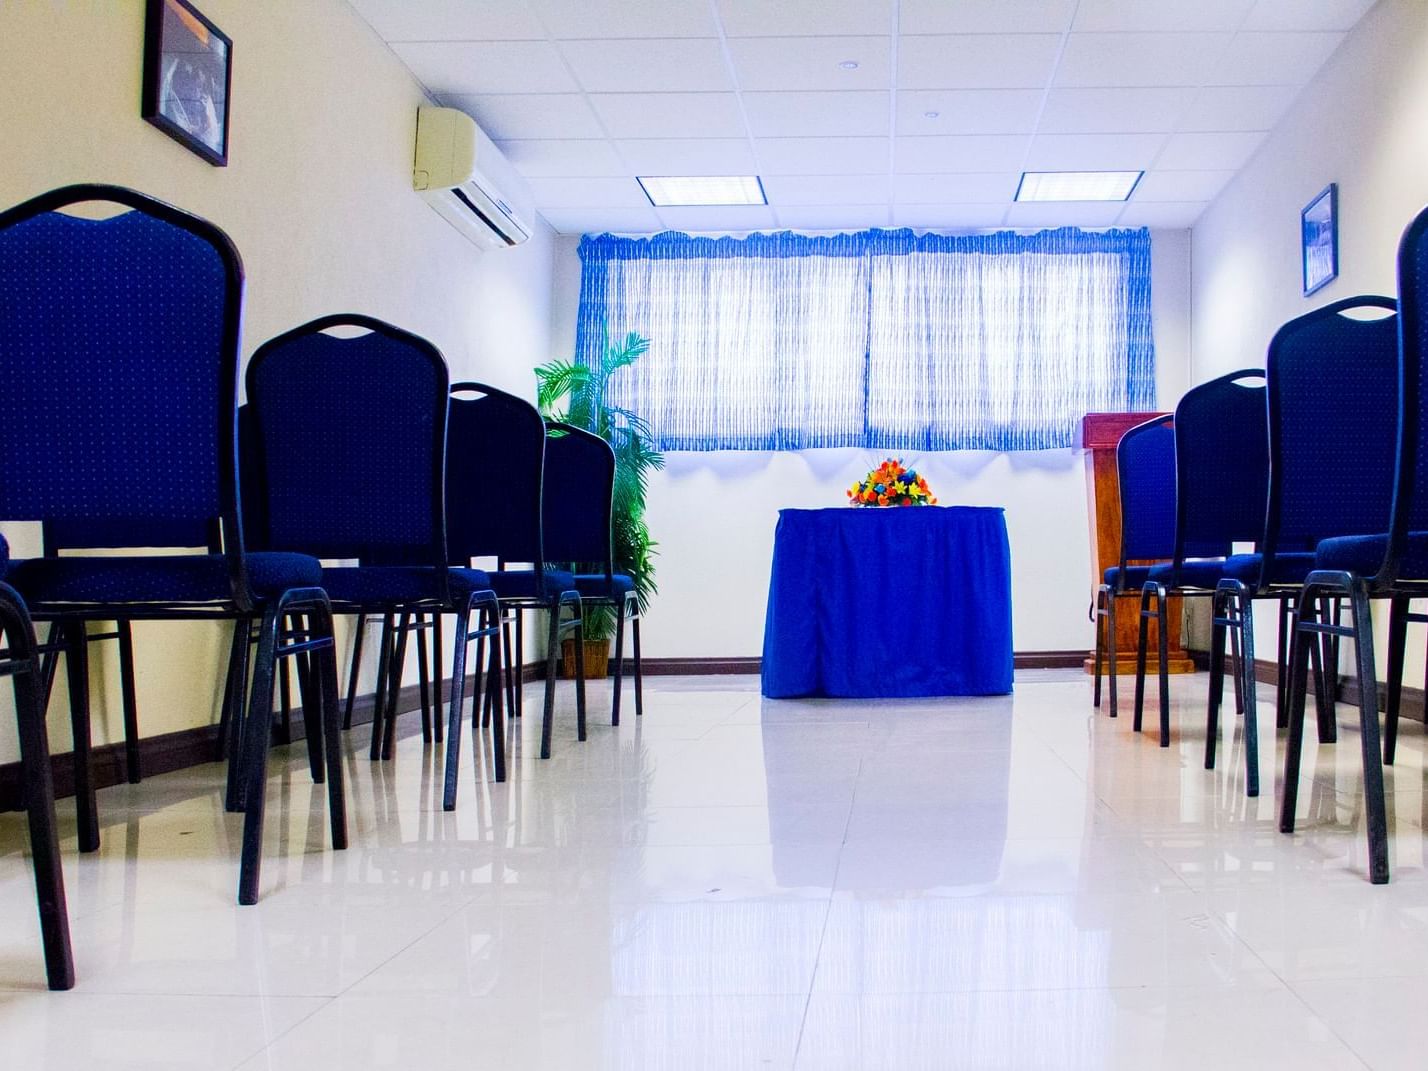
x,y
1333,383
1221,465
495,461
348,441
1410,499
579,495
1145,473
119,342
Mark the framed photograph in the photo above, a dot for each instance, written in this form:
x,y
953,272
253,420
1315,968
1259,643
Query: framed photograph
x,y
188,69
1319,235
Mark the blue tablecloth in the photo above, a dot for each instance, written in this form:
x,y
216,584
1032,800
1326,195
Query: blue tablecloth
x,y
893,601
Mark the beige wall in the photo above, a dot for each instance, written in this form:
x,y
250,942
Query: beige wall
x,y
317,196
1363,123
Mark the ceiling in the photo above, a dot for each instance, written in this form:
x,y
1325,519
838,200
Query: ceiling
x,y
950,101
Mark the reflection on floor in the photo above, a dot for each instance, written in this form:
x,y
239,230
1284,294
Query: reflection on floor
x,y
733,883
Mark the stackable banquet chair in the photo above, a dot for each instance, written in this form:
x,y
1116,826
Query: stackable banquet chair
x,y
494,471
119,343
578,496
1221,484
1145,474
1330,378
19,661
1369,563
348,447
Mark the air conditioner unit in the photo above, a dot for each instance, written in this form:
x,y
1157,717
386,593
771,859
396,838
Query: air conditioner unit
x,y
463,176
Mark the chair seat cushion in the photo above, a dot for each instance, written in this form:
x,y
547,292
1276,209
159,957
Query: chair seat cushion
x,y
528,584
391,585
1134,578
595,586
1289,568
185,578
1363,555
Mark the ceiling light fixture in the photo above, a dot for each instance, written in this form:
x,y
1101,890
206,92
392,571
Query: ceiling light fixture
x,y
849,65
670,190
1077,185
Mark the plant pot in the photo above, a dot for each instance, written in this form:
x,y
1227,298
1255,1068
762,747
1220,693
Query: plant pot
x,y
597,659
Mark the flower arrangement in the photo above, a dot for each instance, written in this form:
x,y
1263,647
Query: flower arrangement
x,y
890,484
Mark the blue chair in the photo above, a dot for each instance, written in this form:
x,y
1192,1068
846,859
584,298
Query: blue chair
x,y
578,500
1221,481
1363,561
19,661
495,466
348,448
119,343
1145,475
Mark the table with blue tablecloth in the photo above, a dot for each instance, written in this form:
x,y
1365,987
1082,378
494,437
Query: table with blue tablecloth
x,y
894,601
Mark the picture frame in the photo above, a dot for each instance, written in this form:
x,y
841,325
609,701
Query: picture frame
x,y
188,77
1319,239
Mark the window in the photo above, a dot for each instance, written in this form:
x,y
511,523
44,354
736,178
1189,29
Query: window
x,y
883,339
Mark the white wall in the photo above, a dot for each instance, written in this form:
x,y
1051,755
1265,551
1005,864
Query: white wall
x,y
713,514
317,196
1363,123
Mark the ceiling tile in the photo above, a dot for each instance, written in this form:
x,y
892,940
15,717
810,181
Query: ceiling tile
x,y
986,16
1140,59
1238,107
954,189
967,111
1113,111
688,156
760,18
1180,185
825,189
1168,215
626,18
563,158
717,219
487,67
538,115
1268,59
1208,152
695,65
810,62
777,115
598,220
1063,214
1297,15
669,115
833,217
1164,16
953,154
822,156
588,193
949,217
451,20
976,61
1093,152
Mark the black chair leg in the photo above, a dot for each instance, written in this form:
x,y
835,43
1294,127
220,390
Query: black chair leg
x,y
579,672
394,686
1248,689
1112,654
1397,642
1098,615
1300,644
639,671
379,700
1323,704
453,726
1281,687
1237,659
619,612
130,702
1219,614
76,661
1164,654
552,651
234,702
423,675
324,663
491,616
1142,642
1375,813
28,684
311,697
515,668
283,727
437,662
358,632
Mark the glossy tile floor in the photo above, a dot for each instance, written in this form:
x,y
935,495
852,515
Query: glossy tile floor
x,y
737,883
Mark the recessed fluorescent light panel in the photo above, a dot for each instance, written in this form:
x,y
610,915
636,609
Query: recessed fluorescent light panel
x,y
703,190
1077,185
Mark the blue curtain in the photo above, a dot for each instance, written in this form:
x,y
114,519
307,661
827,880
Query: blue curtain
x,y
880,339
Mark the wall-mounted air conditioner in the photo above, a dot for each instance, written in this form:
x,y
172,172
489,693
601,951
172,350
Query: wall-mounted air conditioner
x,y
463,176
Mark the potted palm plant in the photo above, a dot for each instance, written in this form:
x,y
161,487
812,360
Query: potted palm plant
x,y
576,394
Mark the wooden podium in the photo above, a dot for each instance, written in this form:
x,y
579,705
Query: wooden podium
x,y
1100,432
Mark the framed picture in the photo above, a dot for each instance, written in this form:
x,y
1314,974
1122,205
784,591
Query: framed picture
x,y
188,69
1319,235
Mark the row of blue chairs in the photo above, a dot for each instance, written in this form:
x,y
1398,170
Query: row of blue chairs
x,y
1320,460
120,348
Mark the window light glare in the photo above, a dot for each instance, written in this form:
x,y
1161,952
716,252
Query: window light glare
x,y
666,191
1077,185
